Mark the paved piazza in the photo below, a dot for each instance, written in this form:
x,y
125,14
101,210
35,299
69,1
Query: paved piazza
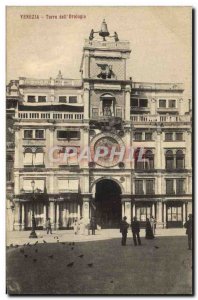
x,y
98,264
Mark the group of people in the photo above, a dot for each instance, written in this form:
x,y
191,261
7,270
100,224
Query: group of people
x,y
135,227
81,226
150,230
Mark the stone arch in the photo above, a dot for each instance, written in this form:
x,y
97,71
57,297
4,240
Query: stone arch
x,y
93,185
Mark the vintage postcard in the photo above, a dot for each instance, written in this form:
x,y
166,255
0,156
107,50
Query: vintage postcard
x,y
99,150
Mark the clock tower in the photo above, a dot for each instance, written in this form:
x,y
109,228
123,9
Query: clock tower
x,y
103,69
106,96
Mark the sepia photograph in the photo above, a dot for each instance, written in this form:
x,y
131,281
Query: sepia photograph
x,y
99,122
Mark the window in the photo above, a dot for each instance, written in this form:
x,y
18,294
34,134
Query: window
x,y
95,112
162,103
39,134
172,103
68,134
148,136
179,136
174,213
169,186
149,160
180,186
28,157
41,98
139,187
38,158
28,134
62,99
139,159
72,99
138,136
150,186
31,99
143,213
179,159
134,102
143,102
168,136
119,112
169,160
139,102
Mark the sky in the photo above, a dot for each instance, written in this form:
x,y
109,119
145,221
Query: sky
x,y
160,40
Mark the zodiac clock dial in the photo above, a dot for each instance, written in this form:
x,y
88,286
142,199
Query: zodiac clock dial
x,y
106,147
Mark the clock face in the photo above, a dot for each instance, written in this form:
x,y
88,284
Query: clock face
x,y
104,147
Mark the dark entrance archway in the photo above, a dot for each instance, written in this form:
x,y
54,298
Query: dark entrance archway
x,y
108,203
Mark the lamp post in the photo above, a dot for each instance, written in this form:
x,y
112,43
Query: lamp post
x,y
33,233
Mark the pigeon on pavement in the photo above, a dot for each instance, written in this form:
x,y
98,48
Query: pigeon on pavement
x,y
90,265
70,264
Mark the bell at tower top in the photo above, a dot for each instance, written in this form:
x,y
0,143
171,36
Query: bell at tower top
x,y
103,39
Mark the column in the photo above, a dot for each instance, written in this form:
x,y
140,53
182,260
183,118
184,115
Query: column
x,y
159,155
153,102
51,144
22,216
86,65
17,145
153,210
85,208
44,215
133,210
123,210
159,215
188,156
127,103
17,216
127,206
78,214
86,101
184,213
57,215
164,215
52,214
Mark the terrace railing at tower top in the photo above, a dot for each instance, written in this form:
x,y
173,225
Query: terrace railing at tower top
x,y
107,44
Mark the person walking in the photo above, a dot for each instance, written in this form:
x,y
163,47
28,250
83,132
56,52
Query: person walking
x,y
124,230
149,231
135,227
188,226
92,226
49,226
153,223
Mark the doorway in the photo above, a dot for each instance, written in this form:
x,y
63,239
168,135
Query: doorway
x,y
108,210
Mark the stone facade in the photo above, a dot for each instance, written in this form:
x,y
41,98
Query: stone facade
x,y
102,108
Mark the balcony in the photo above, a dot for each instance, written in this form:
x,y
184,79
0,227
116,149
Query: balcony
x,y
157,86
37,115
25,82
125,45
160,119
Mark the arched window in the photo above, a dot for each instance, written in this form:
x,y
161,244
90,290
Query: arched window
x,y
107,103
149,160
28,157
179,159
169,159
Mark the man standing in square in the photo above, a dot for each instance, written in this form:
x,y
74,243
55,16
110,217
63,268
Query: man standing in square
x,y
135,227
